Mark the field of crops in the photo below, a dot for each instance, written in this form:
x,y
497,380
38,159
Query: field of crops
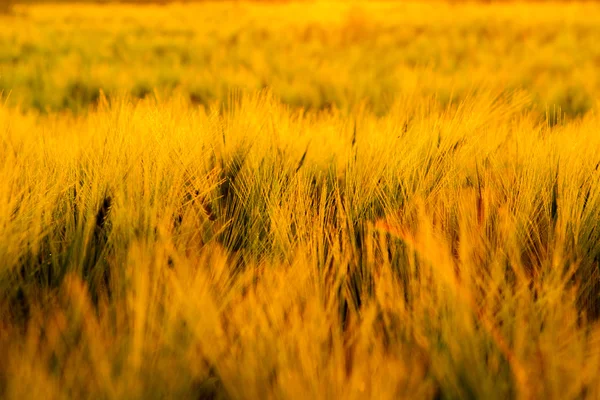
x,y
315,200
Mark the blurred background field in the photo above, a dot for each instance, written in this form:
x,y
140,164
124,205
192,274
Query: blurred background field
x,y
316,55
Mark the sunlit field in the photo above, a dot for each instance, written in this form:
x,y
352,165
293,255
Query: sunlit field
x,y
300,201
313,55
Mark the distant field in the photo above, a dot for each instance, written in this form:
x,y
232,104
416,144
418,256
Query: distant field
x,y
315,55
300,201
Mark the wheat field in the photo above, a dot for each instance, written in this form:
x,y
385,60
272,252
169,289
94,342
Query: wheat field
x,y
316,200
